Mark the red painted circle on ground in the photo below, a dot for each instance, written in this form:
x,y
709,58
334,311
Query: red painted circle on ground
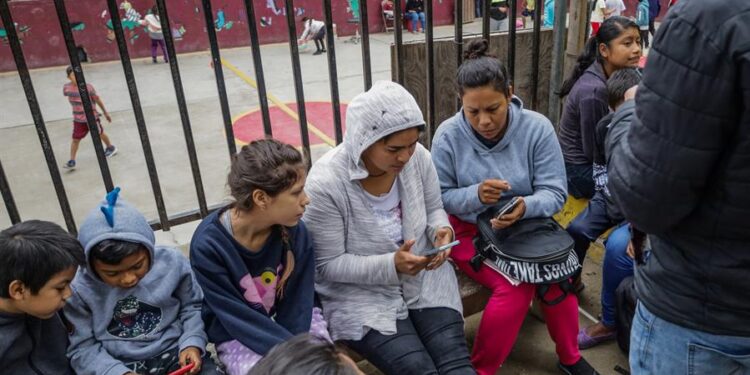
x,y
249,127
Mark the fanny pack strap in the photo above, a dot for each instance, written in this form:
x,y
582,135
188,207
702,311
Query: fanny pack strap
x,y
566,286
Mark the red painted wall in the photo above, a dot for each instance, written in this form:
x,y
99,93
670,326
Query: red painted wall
x,y
43,43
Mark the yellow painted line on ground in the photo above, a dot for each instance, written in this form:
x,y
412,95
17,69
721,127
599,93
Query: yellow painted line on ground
x,y
278,103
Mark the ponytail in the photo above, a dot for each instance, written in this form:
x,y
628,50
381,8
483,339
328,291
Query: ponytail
x,y
589,55
289,266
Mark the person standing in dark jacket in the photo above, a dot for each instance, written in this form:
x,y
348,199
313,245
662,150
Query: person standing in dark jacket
x,y
654,8
615,46
680,171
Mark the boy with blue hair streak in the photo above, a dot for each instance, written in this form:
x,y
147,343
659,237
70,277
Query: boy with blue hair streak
x,y
136,307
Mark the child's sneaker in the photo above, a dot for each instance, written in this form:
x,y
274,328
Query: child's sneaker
x,y
70,165
110,151
582,367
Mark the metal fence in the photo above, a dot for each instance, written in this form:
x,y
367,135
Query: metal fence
x,y
165,220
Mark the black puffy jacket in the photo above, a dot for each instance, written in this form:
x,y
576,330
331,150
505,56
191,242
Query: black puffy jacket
x,y
680,167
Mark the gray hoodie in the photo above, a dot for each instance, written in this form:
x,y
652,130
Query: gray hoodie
x,y
29,345
356,276
113,326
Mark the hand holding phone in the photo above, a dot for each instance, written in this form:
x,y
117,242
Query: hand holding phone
x,y
508,208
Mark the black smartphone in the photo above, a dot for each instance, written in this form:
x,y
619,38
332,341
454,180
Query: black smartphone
x,y
508,207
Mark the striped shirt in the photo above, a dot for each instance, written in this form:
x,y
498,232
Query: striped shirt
x,y
74,97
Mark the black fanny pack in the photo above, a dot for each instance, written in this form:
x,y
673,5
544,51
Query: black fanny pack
x,y
535,251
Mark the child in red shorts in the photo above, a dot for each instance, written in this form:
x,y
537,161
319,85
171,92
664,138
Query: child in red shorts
x,y
80,126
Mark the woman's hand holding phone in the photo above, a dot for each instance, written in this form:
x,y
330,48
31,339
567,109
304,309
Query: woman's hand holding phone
x,y
408,263
491,190
443,236
509,219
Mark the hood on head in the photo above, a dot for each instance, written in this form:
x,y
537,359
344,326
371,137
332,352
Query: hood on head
x,y
115,219
385,109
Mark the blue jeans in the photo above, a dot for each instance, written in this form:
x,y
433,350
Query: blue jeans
x,y
616,267
660,347
413,17
430,341
478,8
580,180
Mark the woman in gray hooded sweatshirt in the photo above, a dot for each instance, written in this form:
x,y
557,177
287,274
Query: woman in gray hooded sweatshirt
x,y
375,209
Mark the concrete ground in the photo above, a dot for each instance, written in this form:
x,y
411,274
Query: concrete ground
x,y
29,179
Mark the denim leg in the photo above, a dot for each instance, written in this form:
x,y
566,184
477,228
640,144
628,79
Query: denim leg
x,y
660,347
421,19
442,332
400,353
589,225
413,17
616,267
580,180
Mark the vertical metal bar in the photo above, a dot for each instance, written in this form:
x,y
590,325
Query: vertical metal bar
x,y
258,66
558,60
535,56
297,71
138,112
332,72
458,38
10,203
486,19
180,94
398,31
88,106
219,75
430,55
364,29
512,39
36,114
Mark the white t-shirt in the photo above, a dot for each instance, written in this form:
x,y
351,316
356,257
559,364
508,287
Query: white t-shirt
x,y
598,14
617,6
312,27
387,211
153,23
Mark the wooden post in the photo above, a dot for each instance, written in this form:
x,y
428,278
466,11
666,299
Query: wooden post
x,y
577,32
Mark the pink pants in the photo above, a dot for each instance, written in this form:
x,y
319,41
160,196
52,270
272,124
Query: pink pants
x,y
506,310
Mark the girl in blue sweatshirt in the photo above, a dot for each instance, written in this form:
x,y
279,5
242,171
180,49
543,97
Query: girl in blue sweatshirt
x,y
489,152
254,259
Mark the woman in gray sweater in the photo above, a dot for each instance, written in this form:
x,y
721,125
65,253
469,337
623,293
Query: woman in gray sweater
x,y
375,211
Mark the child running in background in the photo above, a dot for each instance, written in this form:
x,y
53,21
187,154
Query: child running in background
x,y
136,307
38,260
80,126
254,259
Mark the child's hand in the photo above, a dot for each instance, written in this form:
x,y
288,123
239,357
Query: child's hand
x,y
106,115
191,354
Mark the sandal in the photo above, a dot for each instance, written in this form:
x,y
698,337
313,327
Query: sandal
x,y
585,341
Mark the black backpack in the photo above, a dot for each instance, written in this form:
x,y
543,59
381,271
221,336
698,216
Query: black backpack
x,y
536,251
626,299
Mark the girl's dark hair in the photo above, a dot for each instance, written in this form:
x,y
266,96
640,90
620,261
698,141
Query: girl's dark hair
x,y
112,252
481,69
610,30
270,166
303,354
33,251
155,10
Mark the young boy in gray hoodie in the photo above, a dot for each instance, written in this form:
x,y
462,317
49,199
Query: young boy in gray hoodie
x,y
38,260
136,307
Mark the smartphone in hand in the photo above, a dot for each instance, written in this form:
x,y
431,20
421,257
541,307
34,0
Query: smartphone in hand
x,y
508,208
435,251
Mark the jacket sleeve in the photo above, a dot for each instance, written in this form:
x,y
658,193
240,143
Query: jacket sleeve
x,y
247,325
436,216
333,263
591,109
549,182
458,200
87,355
191,301
294,310
662,165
